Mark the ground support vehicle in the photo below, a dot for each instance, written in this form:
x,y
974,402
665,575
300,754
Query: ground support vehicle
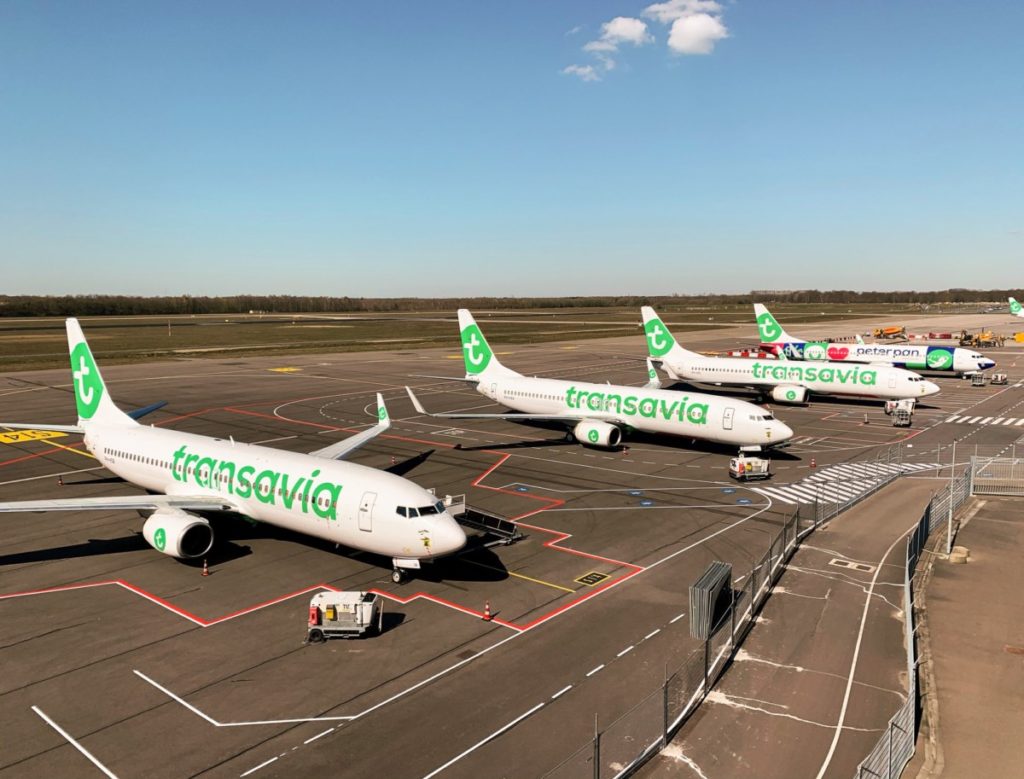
x,y
344,615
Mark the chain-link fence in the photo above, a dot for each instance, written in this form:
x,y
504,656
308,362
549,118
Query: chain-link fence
x,y
896,747
619,748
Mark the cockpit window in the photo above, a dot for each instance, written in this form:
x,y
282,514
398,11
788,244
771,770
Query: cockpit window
x,y
402,511
437,508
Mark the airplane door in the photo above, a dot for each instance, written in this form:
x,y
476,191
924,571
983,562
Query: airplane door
x,y
727,418
892,382
366,511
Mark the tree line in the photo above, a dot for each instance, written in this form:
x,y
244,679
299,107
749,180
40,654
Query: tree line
x,y
110,305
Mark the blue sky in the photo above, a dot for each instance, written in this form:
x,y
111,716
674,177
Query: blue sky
x,y
411,148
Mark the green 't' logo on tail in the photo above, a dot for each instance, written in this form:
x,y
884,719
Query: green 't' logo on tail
x,y
770,329
659,339
475,350
1014,306
88,387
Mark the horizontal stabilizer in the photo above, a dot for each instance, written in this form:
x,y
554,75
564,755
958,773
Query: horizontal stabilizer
x,y
54,428
141,412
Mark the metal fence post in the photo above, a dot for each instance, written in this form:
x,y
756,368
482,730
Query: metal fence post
x,y
707,658
664,702
889,772
733,615
597,750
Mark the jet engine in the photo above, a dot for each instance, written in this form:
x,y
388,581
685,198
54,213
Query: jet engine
x,y
597,433
789,393
178,533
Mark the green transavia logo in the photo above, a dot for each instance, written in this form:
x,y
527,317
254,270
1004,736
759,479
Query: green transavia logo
x,y
382,413
939,359
791,395
659,339
88,387
1015,307
814,351
592,435
770,330
476,351
160,539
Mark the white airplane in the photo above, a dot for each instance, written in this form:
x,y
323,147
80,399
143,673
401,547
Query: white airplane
x,y
781,380
1016,309
904,355
314,494
600,414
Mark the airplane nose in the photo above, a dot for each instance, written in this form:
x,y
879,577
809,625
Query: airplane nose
x,y
782,431
448,536
931,388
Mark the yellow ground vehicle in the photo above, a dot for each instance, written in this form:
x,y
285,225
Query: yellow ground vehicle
x,y
981,340
890,332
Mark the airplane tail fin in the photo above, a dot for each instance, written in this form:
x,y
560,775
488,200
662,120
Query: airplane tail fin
x,y
1015,308
481,362
769,328
91,396
661,344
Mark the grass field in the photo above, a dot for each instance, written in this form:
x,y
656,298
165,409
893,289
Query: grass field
x,y
40,343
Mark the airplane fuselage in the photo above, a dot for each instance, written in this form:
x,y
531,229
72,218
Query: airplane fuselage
x,y
342,502
695,415
854,380
909,356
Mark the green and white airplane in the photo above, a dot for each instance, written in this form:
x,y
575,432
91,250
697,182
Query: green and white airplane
x,y
917,357
315,494
781,380
600,414
1015,308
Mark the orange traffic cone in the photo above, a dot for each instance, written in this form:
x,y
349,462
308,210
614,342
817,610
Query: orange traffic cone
x,y
487,611
813,464
206,571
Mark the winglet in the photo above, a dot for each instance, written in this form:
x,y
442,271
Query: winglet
x,y
340,449
653,381
416,403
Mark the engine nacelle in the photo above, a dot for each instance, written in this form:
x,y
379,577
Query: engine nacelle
x,y
178,533
789,393
597,433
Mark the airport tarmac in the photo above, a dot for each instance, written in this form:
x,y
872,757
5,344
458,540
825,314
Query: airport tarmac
x,y
123,660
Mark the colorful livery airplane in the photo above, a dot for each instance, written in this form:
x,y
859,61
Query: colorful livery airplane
x,y
781,380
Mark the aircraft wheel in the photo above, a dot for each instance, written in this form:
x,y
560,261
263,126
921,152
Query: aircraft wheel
x,y
397,576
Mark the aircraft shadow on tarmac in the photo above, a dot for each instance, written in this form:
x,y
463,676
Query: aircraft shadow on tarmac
x,y
409,465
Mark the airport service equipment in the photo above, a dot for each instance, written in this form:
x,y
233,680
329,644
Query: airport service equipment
x,y
344,615
978,379
998,378
749,468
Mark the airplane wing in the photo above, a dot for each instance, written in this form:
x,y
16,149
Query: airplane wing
x,y
339,450
461,415
654,382
128,502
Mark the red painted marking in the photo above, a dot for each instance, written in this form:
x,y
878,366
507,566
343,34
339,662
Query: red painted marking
x,y
553,543
38,454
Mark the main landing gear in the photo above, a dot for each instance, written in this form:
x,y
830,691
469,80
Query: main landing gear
x,y
398,576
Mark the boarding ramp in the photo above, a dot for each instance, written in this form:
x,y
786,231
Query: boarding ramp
x,y
495,530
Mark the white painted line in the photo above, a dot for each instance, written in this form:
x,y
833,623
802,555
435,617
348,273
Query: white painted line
x,y
627,650
1018,423
652,634
483,741
999,420
593,671
953,418
562,692
318,735
973,420
677,618
257,768
74,743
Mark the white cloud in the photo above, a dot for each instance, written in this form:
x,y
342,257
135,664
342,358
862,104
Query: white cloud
x,y
601,46
676,9
585,72
574,30
696,34
625,29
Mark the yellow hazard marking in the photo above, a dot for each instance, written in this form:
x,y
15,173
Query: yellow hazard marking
x,y
592,578
519,575
21,436
69,449
285,370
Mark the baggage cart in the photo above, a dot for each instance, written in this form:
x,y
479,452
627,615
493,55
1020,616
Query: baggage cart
x,y
344,615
